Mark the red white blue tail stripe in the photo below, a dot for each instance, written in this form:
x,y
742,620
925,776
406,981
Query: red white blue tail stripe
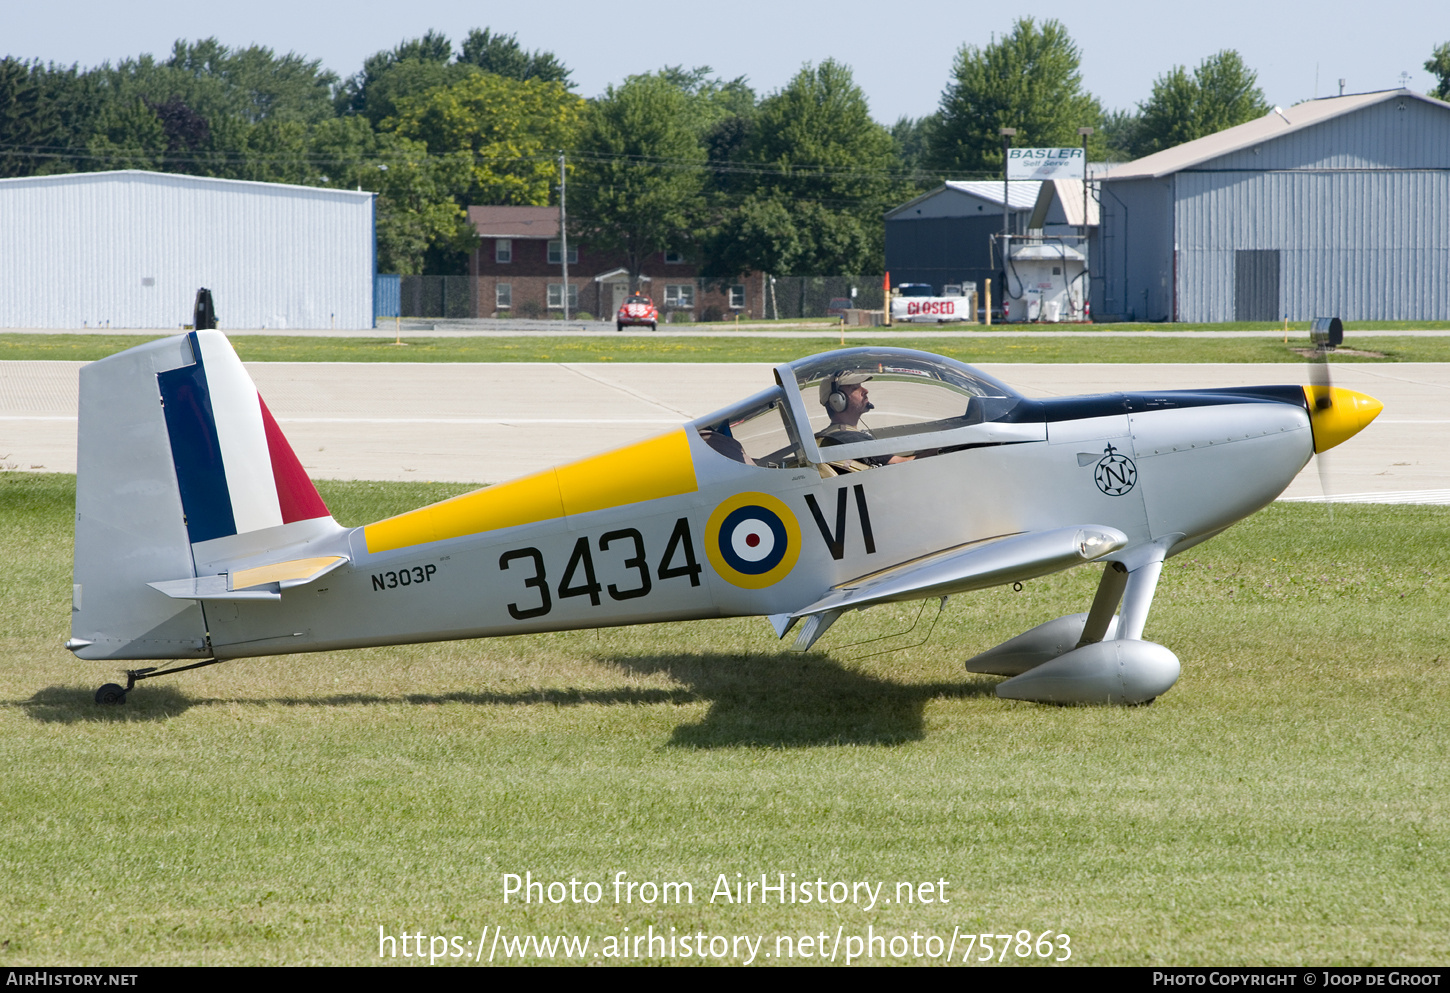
x,y
235,470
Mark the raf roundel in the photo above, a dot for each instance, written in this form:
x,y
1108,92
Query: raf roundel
x,y
752,540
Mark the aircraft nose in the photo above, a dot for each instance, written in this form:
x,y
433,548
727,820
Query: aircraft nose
x,y
1337,414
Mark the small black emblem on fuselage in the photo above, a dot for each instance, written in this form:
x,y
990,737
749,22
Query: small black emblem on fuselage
x,y
1115,473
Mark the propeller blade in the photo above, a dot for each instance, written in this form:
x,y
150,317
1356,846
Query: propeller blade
x,y
1335,414
1322,399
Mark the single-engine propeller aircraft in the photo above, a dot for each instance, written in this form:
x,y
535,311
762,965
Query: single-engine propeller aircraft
x,y
200,538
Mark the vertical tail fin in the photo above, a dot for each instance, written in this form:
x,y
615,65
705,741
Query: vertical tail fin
x,y
235,470
175,447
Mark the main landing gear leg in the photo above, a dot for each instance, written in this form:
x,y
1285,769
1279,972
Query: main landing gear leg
x,y
1105,604
113,693
1138,597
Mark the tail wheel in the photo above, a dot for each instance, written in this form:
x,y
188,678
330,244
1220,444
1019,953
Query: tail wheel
x,y
110,694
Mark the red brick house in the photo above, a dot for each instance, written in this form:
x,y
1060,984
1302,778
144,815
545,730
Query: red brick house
x,y
516,271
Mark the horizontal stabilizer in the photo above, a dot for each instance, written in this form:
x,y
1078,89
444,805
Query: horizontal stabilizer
x,y
295,572
209,588
974,567
264,582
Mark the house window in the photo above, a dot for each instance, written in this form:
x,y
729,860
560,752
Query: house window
x,y
737,296
556,296
556,253
503,296
674,258
681,296
503,250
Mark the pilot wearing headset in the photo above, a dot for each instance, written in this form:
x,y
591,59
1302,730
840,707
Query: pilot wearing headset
x,y
845,397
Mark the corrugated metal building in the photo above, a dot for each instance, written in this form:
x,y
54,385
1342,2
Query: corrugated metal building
x,y
945,236
1334,207
130,249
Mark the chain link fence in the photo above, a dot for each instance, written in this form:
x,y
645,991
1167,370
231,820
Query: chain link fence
x,y
821,296
451,297
436,296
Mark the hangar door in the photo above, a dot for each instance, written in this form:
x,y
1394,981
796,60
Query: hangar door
x,y
1256,285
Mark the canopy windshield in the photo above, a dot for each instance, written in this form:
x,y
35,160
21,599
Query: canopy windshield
x,y
918,401
910,392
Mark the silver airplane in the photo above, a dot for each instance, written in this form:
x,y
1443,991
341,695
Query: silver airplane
x,y
859,477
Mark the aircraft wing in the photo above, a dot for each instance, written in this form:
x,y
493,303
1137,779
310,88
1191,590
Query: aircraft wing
x,y
978,565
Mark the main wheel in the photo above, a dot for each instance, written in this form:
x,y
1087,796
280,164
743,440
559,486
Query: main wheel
x,y
110,694
619,326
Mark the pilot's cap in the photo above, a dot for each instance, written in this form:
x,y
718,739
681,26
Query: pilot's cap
x,y
830,384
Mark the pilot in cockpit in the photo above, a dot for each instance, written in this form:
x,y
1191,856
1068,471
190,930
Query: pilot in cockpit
x,y
845,397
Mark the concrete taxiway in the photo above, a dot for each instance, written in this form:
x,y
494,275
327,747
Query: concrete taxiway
x,y
487,423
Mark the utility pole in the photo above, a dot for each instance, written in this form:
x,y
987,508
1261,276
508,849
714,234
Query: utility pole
x,y
1085,132
1087,263
563,235
1006,134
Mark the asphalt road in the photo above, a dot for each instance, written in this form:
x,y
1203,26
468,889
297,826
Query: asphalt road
x,y
491,422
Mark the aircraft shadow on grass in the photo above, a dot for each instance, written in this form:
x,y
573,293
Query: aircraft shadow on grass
x,y
77,705
769,700
796,701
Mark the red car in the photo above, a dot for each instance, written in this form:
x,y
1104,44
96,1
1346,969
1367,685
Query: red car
x,y
638,309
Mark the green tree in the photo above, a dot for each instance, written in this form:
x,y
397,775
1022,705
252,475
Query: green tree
x,y
505,133
1117,134
72,98
276,152
502,55
708,99
721,114
407,79
421,225
195,112
1221,93
1438,65
814,150
758,235
354,94
30,127
213,81
639,172
126,134
912,136
1029,80
254,83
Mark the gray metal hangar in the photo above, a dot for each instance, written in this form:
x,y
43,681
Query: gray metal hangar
x,y
1335,207
130,249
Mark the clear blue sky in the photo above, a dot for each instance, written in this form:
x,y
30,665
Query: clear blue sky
x,y
901,52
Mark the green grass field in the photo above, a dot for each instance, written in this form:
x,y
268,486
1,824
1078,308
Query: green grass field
x,y
1086,347
1288,802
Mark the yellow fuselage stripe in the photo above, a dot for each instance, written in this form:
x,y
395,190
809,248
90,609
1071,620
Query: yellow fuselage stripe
x,y
648,470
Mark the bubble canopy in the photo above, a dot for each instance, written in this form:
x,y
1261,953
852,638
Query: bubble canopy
x,y
918,402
